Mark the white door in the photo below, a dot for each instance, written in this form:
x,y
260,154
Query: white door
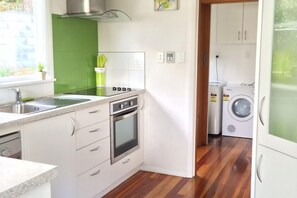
x,y
277,126
277,123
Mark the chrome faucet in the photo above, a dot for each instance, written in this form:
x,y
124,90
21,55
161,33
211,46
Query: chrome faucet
x,y
18,95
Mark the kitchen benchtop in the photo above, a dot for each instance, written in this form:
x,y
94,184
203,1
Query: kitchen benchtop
x,y
8,120
18,176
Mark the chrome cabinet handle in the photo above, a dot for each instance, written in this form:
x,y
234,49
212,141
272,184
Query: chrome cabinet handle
x,y
259,167
127,161
73,121
96,173
95,149
239,35
260,110
245,33
96,111
95,130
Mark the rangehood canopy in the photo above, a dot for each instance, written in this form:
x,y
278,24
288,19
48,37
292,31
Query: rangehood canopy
x,y
94,10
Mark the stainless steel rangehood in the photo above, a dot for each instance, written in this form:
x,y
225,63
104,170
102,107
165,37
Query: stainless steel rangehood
x,y
95,10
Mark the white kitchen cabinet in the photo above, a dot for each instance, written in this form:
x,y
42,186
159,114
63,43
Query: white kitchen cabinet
x,y
52,141
277,173
95,180
93,167
92,155
237,23
92,115
126,165
277,104
92,133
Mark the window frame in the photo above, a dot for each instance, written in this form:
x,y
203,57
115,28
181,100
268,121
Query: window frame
x,y
44,46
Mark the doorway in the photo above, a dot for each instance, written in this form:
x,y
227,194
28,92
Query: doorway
x,y
204,31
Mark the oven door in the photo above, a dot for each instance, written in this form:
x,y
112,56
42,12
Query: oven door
x,y
124,134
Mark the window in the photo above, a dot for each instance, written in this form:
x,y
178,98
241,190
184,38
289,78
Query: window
x,y
23,39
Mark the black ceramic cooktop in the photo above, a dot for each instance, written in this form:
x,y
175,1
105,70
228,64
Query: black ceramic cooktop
x,y
102,91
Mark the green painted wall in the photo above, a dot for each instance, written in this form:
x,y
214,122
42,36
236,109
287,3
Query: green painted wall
x,y
75,43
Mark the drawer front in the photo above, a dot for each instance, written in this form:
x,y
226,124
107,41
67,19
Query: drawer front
x,y
127,164
93,181
92,155
92,115
92,133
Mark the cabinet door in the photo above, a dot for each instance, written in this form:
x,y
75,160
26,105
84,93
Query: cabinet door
x,y
250,16
51,141
277,173
277,128
229,23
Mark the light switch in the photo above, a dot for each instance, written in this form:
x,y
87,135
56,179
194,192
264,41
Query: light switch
x,y
160,57
170,57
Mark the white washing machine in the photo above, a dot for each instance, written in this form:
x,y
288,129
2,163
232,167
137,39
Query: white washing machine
x,y
215,108
238,102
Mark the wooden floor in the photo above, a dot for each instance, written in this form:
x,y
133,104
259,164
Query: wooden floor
x,y
223,171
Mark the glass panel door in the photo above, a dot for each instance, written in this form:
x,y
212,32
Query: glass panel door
x,y
283,92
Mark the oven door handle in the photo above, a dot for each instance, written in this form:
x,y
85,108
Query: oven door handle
x,y
116,118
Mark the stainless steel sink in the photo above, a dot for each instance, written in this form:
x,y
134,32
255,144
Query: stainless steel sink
x,y
25,108
40,105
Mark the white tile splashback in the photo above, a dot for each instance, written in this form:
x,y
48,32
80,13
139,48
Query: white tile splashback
x,y
125,69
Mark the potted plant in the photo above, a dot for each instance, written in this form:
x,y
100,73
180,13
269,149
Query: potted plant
x,y
42,73
100,70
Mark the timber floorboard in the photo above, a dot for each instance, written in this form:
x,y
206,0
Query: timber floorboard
x,y
223,171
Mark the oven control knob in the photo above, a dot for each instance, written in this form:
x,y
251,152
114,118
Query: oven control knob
x,y
131,103
121,106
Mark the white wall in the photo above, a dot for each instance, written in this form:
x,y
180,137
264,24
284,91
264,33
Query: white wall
x,y
169,114
236,63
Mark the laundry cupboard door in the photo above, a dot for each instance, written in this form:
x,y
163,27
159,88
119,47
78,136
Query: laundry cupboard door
x,y
277,101
237,23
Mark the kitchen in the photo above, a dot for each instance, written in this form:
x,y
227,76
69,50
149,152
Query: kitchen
x,y
170,98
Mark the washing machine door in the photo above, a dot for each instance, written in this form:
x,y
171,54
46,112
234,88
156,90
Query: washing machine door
x,y
241,108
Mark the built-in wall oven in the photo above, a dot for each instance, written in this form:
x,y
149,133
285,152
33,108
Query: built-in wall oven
x,y
124,128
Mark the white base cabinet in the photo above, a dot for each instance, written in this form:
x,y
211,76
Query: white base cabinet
x,y
94,181
277,173
79,144
52,141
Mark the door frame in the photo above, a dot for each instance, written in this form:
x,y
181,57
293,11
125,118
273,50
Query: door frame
x,y
203,69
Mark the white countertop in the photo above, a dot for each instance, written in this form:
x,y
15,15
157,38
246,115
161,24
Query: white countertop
x,y
18,176
8,120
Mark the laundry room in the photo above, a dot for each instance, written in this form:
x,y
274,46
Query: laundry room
x,y
232,60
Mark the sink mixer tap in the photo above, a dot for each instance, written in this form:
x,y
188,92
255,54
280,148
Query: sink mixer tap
x,y
18,95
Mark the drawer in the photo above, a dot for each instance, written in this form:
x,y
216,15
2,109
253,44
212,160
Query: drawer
x,y
127,164
92,133
92,155
92,115
93,181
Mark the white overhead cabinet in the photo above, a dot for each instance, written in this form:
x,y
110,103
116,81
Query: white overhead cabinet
x,y
237,23
276,126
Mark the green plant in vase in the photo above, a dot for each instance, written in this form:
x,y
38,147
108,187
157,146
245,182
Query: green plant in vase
x,y
42,73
